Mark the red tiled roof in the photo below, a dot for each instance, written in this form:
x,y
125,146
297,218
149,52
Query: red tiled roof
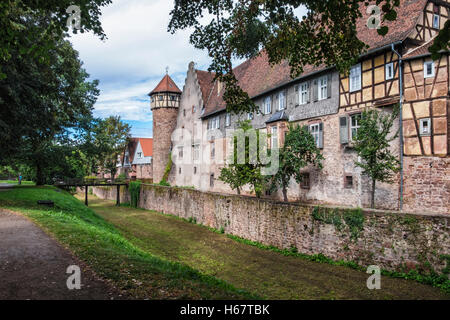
x,y
166,85
257,76
408,14
147,146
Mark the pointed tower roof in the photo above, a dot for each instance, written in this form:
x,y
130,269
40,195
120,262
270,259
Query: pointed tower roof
x,y
166,85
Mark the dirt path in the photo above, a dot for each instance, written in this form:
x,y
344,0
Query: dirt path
x,y
33,265
266,273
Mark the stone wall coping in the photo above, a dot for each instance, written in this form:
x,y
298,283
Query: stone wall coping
x,y
308,205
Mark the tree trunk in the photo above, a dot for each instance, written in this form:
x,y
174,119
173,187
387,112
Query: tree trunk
x,y
285,194
372,200
238,191
40,180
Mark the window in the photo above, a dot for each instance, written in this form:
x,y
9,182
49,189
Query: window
x,y
179,170
323,88
180,152
428,68
425,127
389,71
194,109
274,137
267,105
314,130
139,154
196,153
304,93
195,170
355,78
249,116
304,184
348,181
153,99
160,98
211,180
228,120
173,98
184,113
436,21
354,125
281,100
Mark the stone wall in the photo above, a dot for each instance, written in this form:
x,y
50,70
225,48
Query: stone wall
x,y
427,184
390,240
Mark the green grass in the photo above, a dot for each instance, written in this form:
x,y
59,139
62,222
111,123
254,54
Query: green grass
x,y
25,183
269,272
138,273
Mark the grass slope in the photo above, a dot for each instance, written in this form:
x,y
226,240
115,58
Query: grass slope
x,y
99,244
268,273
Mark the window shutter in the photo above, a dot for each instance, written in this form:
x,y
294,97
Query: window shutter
x,y
320,135
329,86
285,99
308,95
343,129
315,91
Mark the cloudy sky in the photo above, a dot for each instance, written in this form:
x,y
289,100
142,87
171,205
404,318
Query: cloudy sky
x,y
131,62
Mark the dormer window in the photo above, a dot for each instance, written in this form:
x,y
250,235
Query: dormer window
x,y
436,19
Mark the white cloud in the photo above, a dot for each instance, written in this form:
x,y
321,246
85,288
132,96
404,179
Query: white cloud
x,y
131,62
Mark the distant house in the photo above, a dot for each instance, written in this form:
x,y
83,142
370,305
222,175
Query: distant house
x,y
136,161
142,159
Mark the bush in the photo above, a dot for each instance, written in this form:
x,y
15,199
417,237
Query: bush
x,y
135,190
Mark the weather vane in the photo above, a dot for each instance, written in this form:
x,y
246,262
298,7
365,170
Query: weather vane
x,y
167,70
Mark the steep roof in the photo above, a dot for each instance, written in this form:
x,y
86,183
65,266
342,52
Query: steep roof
x,y
131,147
147,146
166,85
206,82
256,75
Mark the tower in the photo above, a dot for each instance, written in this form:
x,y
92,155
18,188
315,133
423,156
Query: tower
x,y
164,103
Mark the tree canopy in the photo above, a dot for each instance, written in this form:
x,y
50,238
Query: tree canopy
x,y
21,39
229,29
372,144
299,150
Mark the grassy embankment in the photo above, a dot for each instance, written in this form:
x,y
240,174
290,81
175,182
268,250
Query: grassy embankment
x,y
268,273
99,244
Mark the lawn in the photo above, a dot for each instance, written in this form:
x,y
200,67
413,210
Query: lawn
x,y
268,274
25,183
138,273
